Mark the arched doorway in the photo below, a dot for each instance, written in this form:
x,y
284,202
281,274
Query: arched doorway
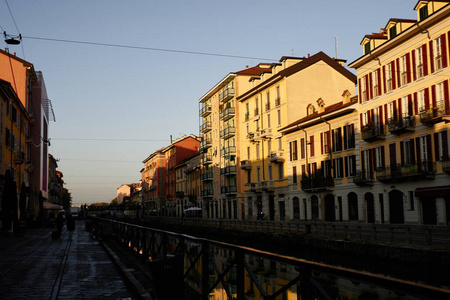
x,y
330,210
314,208
370,208
352,199
296,206
396,210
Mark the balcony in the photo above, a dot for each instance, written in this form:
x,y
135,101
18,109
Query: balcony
x,y
373,131
399,173
404,124
256,112
277,156
179,194
205,111
231,150
205,127
446,166
277,101
231,189
266,133
256,136
19,158
226,95
207,176
228,132
246,164
206,143
268,186
256,187
228,171
434,115
267,106
317,184
206,159
227,113
208,192
363,178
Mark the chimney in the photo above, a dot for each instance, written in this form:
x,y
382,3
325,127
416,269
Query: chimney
x,y
346,97
321,105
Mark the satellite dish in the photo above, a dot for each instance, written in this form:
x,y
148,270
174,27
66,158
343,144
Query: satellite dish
x,y
11,39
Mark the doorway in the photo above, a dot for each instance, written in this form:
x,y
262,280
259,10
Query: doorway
x,y
370,207
396,209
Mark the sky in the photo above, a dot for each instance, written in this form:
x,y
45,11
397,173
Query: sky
x,y
125,76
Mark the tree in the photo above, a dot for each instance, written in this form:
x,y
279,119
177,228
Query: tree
x,y
66,199
114,202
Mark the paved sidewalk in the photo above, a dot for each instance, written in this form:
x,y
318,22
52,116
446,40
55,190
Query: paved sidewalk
x,y
36,267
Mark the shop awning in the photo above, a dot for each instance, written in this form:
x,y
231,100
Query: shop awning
x,y
433,191
49,205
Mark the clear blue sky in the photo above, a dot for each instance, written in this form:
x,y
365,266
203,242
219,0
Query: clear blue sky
x,y
114,106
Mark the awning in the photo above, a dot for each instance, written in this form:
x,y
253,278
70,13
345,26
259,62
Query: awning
x,y
49,205
433,191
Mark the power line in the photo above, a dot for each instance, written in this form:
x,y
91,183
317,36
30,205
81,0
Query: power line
x,y
113,140
100,160
144,48
12,16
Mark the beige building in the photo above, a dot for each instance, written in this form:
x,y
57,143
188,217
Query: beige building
x,y
222,191
279,98
404,113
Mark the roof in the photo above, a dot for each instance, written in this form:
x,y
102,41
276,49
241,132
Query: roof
x,y
316,115
253,71
307,62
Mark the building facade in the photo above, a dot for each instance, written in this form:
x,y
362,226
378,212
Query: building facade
x,y
404,112
154,182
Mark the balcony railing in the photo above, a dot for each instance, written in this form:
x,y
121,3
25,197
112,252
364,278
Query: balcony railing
x,y
267,106
231,189
277,156
207,176
266,133
317,183
207,192
446,166
207,159
227,94
228,132
229,170
206,143
373,131
205,110
246,164
363,178
205,127
432,115
407,172
227,113
399,125
231,150
268,185
256,187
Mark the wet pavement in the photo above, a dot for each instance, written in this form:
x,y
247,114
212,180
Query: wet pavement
x,y
36,267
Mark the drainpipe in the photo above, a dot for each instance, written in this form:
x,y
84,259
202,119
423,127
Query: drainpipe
x,y
331,152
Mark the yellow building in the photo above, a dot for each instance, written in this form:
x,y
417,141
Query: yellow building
x,y
222,191
277,99
404,113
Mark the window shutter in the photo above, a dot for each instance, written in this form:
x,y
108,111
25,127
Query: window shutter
x,y
429,154
361,120
395,110
379,81
397,71
345,137
372,161
416,109
427,99
413,56
444,50
380,116
425,59
363,165
419,159
383,158
370,86
328,142
402,153
385,114
360,93
393,74
367,88
352,136
436,147
321,142
384,79
400,113
431,57
444,136
433,95
446,100
410,105
334,142
412,152
346,164
408,68
311,139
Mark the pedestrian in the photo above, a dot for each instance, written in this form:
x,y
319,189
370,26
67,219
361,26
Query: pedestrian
x,y
70,225
59,224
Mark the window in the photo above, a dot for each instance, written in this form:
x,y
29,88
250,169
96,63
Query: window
x,y
349,136
280,171
269,146
391,111
363,89
411,200
407,153
278,117
277,100
421,100
256,107
302,148
440,94
280,144
441,143
249,176
270,172
267,100
379,158
293,150
257,151
294,175
389,85
375,79
350,165
423,12
325,142
258,174
248,153
367,47
403,70
339,167
311,144
337,140
438,53
393,32
268,120
419,62
247,128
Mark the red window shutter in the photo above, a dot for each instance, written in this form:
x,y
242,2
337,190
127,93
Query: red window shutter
x,y
416,108
402,153
413,56
380,117
425,59
311,139
328,142
436,147
393,74
410,105
418,152
333,141
431,57
397,71
360,93
361,120
370,86
408,68
395,110
399,107
371,115
412,152
433,95
427,99
321,142
384,79
385,114
367,87
444,50
379,81
446,98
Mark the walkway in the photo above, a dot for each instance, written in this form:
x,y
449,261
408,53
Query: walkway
x,y
37,267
